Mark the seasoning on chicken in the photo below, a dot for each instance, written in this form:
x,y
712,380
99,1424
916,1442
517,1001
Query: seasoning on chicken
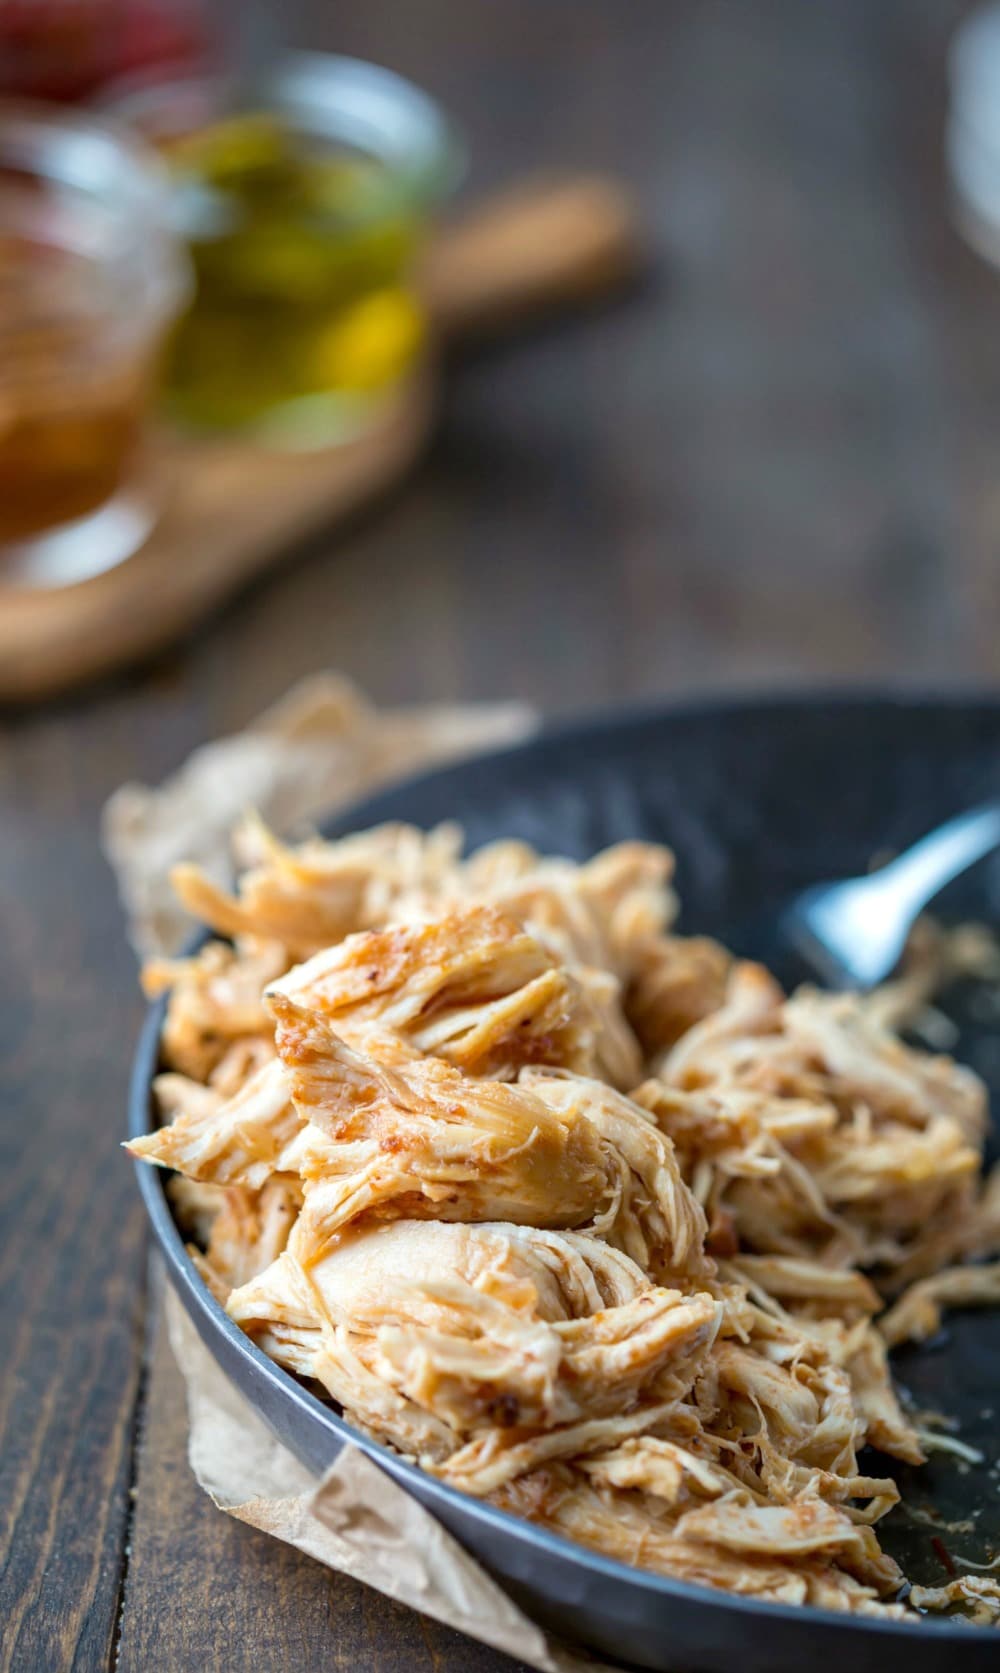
x,y
482,1350
580,1215
472,988
827,1136
411,1135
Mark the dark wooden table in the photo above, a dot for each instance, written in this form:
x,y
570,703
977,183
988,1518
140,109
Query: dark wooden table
x,y
780,463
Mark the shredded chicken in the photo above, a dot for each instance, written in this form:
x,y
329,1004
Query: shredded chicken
x,y
473,988
917,1315
248,1231
482,1350
216,1002
580,1215
828,1134
977,1597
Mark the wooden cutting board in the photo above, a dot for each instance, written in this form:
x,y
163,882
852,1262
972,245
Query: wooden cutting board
x,y
231,508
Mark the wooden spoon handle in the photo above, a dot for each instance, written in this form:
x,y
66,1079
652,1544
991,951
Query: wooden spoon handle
x,y
535,247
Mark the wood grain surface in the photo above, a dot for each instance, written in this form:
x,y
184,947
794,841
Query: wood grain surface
x,y
780,464
249,1603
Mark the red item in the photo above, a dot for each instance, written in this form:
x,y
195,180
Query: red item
x,y
70,49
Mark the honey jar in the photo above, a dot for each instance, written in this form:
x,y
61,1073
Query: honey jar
x,y
90,280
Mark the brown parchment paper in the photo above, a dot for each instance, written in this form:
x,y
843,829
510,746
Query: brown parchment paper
x,y
318,749
322,746
355,1519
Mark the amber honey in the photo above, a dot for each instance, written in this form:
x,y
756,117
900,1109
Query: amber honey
x,y
90,279
72,399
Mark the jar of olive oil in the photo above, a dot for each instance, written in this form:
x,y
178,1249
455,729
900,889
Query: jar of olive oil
x,y
303,199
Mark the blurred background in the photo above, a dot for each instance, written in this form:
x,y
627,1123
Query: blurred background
x,y
774,461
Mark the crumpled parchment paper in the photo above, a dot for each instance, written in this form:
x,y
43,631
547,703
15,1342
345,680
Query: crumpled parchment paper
x,y
356,1519
320,748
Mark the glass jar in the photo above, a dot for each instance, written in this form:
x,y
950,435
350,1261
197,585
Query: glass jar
x,y
90,279
972,137
303,197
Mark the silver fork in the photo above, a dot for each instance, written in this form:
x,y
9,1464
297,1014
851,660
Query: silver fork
x,y
853,932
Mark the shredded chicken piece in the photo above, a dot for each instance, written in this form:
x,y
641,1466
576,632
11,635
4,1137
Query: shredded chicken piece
x,y
977,1597
679,981
653,1216
472,988
411,1135
216,999
651,1322
241,1140
877,1403
603,914
917,1313
195,1206
491,1347
828,1135
935,957
310,897
818,1289
848,1574
248,1233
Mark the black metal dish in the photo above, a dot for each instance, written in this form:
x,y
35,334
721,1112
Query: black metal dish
x,y
758,800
